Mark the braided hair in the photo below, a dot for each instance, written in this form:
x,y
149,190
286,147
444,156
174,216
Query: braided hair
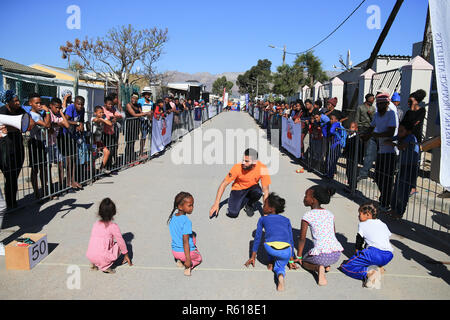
x,y
179,199
369,207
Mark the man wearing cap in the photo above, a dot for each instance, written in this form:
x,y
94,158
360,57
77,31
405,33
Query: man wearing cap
x,y
245,191
396,102
384,125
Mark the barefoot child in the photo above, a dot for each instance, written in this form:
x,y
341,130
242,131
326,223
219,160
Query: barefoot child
x,y
327,248
367,262
102,250
183,241
279,242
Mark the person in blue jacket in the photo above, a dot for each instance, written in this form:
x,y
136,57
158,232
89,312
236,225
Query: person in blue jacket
x,y
337,136
279,243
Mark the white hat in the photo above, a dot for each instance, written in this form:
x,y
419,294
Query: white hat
x,y
147,89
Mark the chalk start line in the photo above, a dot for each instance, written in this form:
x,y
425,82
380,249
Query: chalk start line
x,y
387,274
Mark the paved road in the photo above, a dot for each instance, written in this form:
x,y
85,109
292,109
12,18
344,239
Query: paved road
x,y
144,197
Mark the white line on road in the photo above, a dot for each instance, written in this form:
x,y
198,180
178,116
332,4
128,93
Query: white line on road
x,y
232,270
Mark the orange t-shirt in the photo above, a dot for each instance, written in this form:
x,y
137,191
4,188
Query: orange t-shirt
x,y
244,179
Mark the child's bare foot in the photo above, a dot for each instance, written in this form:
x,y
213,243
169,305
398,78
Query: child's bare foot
x,y
280,286
94,267
373,279
327,269
270,266
109,270
322,280
382,270
180,264
187,272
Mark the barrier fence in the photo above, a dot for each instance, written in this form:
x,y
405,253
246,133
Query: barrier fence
x,y
47,162
344,156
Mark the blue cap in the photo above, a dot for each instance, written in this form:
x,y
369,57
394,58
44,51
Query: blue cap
x,y
395,97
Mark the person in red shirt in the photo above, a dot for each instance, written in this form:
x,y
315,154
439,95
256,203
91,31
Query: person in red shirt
x,y
245,191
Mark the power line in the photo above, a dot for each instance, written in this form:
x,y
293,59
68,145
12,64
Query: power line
x,y
298,53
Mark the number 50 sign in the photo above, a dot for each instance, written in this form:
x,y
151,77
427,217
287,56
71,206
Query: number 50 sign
x,y
38,251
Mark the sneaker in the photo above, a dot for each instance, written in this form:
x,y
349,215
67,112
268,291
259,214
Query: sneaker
x,y
2,249
374,280
249,210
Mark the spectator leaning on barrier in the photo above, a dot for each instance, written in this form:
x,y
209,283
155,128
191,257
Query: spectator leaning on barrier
x,y
338,137
12,151
71,138
416,115
409,164
147,107
98,123
133,112
384,125
364,117
110,139
58,121
331,105
36,145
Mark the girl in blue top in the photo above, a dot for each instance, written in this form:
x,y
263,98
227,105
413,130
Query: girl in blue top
x,y
279,242
184,247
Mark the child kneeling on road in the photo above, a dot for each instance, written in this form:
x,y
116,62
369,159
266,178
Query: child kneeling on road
x,y
373,235
279,243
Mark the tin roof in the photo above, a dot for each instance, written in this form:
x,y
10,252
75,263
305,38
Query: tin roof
x,y
14,67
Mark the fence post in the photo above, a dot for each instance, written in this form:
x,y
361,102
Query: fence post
x,y
416,74
364,83
337,90
316,90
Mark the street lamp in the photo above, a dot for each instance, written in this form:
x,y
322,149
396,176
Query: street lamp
x,y
284,51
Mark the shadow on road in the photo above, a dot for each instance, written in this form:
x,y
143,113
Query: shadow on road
x,y
33,220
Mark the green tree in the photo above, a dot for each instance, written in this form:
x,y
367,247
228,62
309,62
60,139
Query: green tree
x,y
312,67
256,80
287,80
220,84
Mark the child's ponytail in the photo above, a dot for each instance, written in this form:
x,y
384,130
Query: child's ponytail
x,y
179,198
323,194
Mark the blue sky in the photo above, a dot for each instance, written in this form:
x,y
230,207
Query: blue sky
x,y
213,36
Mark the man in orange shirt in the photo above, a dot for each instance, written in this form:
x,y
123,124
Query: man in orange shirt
x,y
245,191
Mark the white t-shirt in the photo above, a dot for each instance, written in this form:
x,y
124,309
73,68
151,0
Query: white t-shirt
x,y
381,124
376,234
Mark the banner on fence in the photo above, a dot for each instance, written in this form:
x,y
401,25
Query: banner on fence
x,y
212,111
291,138
161,133
440,26
256,113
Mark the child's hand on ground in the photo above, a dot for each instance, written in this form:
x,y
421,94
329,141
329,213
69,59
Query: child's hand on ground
x,y
299,261
250,261
292,266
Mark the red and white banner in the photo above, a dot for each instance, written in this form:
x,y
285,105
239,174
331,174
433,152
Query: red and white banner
x,y
161,133
291,137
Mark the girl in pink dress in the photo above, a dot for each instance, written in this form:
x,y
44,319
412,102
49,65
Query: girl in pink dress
x,y
102,250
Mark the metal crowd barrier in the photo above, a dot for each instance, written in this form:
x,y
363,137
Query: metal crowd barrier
x,y
42,165
389,183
